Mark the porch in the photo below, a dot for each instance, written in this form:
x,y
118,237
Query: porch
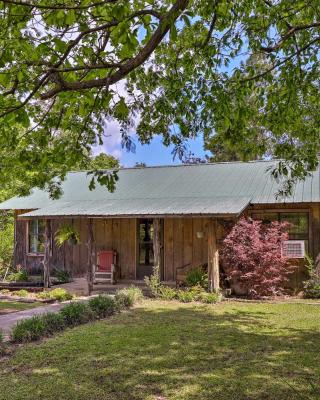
x,y
174,244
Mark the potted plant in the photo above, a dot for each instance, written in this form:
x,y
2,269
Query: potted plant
x,y
67,233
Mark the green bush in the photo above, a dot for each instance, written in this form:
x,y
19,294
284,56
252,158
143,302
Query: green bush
x,y
127,297
58,294
76,314
312,285
185,296
21,293
1,337
168,293
154,282
19,276
28,330
61,275
197,276
197,292
210,298
103,306
53,322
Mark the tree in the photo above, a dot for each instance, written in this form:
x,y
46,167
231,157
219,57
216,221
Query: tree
x,y
140,165
184,64
252,257
103,161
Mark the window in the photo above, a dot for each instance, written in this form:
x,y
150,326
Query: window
x,y
299,223
299,226
36,236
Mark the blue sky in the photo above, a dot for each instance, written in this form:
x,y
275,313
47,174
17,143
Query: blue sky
x,y
157,154
153,154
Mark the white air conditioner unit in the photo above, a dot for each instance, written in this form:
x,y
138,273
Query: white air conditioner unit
x,y
293,249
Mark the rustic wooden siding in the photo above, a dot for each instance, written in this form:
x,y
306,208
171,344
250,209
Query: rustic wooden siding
x,y
117,234
182,248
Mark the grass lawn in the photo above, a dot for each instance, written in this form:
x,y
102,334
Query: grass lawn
x,y
7,307
169,350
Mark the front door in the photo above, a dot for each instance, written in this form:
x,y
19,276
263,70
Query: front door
x,y
145,248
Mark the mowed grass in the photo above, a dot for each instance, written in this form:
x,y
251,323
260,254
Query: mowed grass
x,y
168,350
12,306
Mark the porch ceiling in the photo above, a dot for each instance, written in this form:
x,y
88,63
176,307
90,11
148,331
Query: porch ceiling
x,y
143,207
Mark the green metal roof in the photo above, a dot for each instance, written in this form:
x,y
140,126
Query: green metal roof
x,y
221,188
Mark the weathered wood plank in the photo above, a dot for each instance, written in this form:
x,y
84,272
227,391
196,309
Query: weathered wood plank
x,y
91,256
47,253
168,250
213,256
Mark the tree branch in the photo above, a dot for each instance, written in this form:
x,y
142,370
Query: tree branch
x,y
287,35
127,67
56,6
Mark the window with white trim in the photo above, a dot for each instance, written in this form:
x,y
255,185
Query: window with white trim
x,y
36,236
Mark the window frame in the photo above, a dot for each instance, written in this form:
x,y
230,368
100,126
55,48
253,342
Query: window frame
x,y
288,211
32,253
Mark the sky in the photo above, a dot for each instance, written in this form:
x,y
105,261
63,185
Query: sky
x,y
153,154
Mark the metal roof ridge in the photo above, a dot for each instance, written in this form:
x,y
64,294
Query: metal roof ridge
x,y
180,165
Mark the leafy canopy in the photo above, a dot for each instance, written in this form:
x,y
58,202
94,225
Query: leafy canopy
x,y
238,68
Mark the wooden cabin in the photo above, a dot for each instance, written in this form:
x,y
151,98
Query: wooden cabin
x,y
174,216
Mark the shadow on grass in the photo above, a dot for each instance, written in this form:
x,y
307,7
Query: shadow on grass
x,y
175,353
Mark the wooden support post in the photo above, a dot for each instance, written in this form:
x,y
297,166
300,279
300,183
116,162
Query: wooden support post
x,y
157,244
47,254
91,257
213,257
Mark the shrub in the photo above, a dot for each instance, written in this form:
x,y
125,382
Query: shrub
x,y
197,292
21,293
185,296
197,276
28,330
58,294
154,282
252,257
53,322
210,298
312,285
62,276
76,314
1,337
168,293
19,276
5,291
103,306
127,297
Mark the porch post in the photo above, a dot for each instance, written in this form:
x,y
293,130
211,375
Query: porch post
x,y
156,244
91,257
47,254
213,257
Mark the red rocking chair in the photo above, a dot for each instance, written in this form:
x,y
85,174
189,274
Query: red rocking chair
x,y
105,269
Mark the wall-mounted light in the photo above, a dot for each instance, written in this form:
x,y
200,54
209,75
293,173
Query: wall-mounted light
x,y
200,234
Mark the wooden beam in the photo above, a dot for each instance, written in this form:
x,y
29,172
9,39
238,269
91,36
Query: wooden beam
x,y
157,243
91,265
47,253
213,257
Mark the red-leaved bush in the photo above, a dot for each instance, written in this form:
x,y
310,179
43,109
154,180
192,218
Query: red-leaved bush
x,y
252,257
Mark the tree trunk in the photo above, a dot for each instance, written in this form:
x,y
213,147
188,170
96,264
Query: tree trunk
x,y
157,244
47,254
91,257
213,257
